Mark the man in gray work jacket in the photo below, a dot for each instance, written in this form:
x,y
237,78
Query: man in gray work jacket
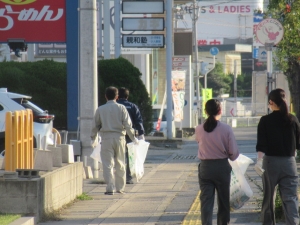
x,y
113,122
137,124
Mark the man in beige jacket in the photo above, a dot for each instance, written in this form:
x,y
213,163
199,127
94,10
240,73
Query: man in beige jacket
x,y
112,121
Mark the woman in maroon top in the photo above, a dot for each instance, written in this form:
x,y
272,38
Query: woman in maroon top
x,y
217,144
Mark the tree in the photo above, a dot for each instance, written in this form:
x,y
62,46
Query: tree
x,y
121,73
218,81
287,51
244,85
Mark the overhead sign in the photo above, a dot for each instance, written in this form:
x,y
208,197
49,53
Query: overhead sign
x,y
145,7
143,41
33,20
269,31
143,24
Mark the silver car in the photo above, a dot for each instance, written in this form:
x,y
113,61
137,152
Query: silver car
x,y
42,121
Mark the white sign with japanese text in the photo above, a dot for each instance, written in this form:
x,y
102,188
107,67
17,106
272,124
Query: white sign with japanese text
x,y
143,41
143,24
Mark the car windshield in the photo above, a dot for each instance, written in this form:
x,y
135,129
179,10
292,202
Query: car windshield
x,y
155,115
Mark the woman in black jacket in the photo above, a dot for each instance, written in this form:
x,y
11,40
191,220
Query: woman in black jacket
x,y
277,143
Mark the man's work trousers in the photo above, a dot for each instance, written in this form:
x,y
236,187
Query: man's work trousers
x,y
128,172
214,175
281,171
113,156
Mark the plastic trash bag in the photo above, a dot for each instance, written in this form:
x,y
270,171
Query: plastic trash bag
x,y
137,155
240,191
96,152
243,162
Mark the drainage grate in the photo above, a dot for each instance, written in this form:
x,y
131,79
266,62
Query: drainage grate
x,y
185,157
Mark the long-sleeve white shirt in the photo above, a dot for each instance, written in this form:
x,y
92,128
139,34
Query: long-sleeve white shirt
x,y
113,121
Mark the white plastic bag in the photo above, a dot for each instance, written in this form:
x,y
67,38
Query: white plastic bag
x,y
240,191
243,162
96,152
137,155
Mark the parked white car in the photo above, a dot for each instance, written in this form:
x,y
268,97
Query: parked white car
x,y
42,121
163,123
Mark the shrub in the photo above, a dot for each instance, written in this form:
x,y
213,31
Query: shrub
x,y
46,82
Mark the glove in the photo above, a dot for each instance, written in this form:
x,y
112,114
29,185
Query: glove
x,y
258,167
135,141
141,137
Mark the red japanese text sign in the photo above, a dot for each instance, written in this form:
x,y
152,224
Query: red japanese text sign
x,y
33,20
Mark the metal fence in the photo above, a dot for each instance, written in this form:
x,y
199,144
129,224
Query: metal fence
x,y
241,121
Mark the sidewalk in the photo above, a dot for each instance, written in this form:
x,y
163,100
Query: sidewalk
x,y
166,195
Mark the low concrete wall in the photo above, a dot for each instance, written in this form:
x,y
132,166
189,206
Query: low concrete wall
x,y
38,196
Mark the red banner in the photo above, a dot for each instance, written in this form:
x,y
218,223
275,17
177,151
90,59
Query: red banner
x,y
33,20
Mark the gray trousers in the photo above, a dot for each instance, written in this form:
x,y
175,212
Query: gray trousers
x,y
281,171
113,156
214,175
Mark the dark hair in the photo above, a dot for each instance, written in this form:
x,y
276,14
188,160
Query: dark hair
x,y
212,108
111,93
278,96
123,93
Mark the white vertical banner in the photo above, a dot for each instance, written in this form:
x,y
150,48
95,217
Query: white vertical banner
x,y
178,92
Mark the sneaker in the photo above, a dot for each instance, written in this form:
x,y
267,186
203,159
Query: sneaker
x,y
121,192
109,193
129,182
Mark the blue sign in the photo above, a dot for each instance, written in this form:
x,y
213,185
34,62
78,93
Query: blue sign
x,y
214,51
255,53
263,53
258,17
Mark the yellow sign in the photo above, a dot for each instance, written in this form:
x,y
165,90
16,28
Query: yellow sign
x,y
206,95
18,2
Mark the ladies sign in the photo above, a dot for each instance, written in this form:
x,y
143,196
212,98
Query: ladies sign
x,y
33,20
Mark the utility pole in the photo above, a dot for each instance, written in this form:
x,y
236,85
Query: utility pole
x,y
100,22
169,50
106,19
235,81
88,82
117,29
196,76
270,79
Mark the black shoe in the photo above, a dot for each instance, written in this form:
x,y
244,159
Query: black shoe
x,y
129,182
108,193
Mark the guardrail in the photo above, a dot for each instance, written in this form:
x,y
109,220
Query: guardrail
x,y
19,140
241,121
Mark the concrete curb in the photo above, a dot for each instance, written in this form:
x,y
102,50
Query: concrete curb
x,y
24,221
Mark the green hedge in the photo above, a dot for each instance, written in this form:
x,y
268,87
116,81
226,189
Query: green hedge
x,y
121,73
46,82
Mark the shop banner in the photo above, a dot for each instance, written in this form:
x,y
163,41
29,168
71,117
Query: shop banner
x,y
33,20
178,92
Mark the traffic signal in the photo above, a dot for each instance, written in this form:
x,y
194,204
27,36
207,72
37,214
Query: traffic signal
x,y
17,46
204,68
